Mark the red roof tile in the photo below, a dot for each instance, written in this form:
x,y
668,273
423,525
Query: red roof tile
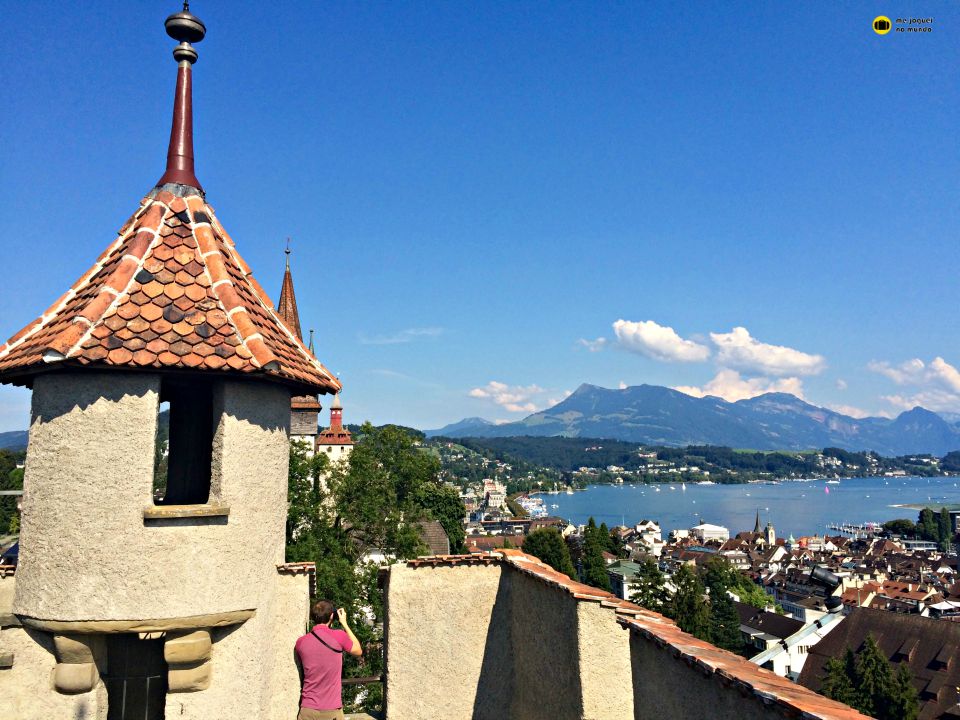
x,y
171,292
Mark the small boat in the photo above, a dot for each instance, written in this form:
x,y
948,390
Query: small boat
x,y
683,486
833,482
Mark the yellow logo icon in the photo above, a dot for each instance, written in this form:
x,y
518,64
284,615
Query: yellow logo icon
x,y
882,25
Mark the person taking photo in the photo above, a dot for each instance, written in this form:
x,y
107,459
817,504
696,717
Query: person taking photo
x,y
320,653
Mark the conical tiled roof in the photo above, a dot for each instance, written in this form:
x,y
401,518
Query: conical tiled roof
x,y
287,306
171,292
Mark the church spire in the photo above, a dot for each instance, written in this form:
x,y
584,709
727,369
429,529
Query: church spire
x,y
287,307
187,29
756,527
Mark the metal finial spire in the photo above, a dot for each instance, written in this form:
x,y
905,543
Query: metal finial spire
x,y
287,253
185,28
310,346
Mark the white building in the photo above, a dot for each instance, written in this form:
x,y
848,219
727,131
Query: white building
x,y
705,532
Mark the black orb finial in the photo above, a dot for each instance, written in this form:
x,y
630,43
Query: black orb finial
x,y
185,28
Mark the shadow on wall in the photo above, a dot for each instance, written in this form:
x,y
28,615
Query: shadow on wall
x,y
495,687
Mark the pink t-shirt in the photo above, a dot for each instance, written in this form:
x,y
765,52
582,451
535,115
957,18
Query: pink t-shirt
x,y
322,668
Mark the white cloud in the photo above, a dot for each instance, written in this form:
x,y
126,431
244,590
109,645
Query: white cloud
x,y
852,411
841,384
936,385
738,349
623,385
515,398
729,385
907,373
553,401
401,336
658,342
593,345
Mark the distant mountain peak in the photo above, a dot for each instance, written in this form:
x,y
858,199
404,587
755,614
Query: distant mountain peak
x,y
658,415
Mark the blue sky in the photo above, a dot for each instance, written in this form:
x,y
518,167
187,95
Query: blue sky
x,y
491,203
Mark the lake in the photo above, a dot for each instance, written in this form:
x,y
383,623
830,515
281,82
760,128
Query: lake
x,y
794,507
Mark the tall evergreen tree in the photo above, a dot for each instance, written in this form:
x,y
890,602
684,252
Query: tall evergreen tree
x,y
838,683
687,606
725,623
905,701
874,679
594,566
649,586
927,526
945,526
867,682
548,545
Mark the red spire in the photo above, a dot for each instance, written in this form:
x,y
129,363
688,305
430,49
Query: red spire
x,y
287,306
186,28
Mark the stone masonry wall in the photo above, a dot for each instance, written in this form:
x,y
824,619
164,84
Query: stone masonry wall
x,y
566,654
448,645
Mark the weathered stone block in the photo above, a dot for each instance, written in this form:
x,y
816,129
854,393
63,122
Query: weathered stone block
x,y
75,677
76,649
188,648
6,660
189,679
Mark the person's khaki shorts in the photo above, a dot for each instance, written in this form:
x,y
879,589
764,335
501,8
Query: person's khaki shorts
x,y
311,714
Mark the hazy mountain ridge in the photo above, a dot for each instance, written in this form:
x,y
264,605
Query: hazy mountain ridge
x,y
774,421
13,440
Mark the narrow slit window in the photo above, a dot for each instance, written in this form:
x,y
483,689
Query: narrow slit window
x,y
183,457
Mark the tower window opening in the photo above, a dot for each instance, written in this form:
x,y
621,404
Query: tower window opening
x,y
184,447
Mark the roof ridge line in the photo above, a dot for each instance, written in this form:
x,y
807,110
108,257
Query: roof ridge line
x,y
115,300
259,293
40,322
250,337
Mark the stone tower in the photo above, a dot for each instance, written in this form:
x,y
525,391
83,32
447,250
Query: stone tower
x,y
769,535
145,591
304,409
335,442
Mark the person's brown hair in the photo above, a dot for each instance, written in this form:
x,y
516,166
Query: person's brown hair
x,y
323,611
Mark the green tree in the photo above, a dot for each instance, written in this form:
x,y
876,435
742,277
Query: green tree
x,y
725,623
649,586
548,545
718,574
905,701
927,526
338,512
945,527
901,526
839,682
867,682
874,679
611,544
443,504
687,606
11,478
594,566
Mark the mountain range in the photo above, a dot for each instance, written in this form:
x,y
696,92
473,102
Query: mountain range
x,y
774,421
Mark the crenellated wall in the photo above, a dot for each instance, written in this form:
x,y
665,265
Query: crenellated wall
x,y
477,637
